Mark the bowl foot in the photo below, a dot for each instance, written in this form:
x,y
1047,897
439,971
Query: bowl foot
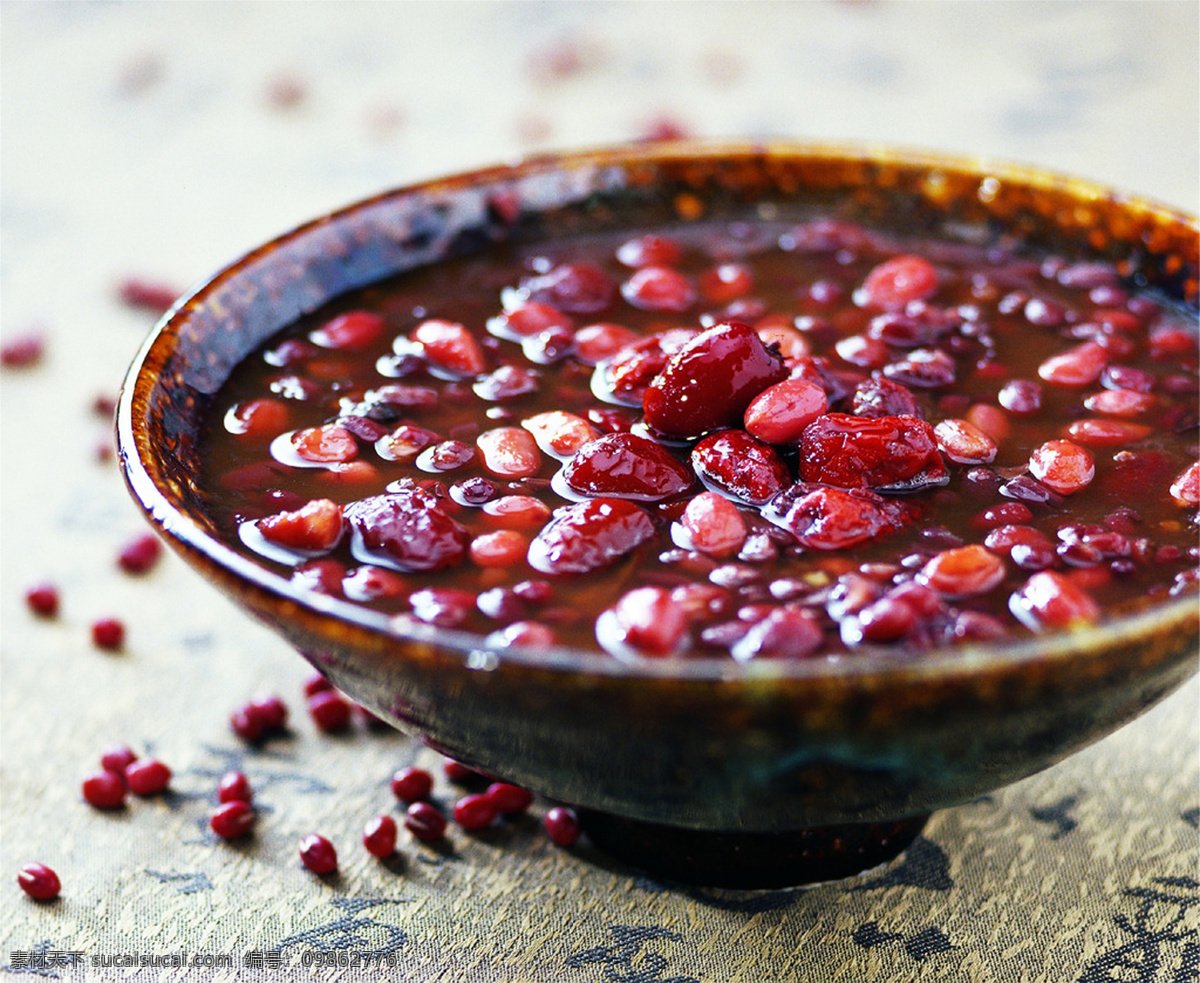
x,y
750,860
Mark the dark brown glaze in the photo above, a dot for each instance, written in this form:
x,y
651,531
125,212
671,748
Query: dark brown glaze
x,y
701,744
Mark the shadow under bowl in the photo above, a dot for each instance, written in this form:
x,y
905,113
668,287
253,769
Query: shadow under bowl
x,y
831,763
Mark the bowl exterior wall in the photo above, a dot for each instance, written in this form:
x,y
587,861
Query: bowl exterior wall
x,y
722,750
749,755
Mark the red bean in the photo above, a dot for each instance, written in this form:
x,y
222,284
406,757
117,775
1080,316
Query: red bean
x,y
425,822
1185,489
412,784
140,554
1120,402
315,527
1051,600
577,288
39,882
372,583
924,601
151,295
449,455
405,443
787,632
147,776
779,414
1077,366
234,786
42,600
876,398
379,836
325,444
22,352
509,452
246,726
596,342
233,819
649,250
559,433
1005,513
1172,343
354,330
528,319
330,711
725,282
1063,466
450,346
895,282
659,288
316,683
318,854
446,606
509,800
885,620
1126,377
562,826
117,757
104,790
518,511
503,548
475,812
964,443
714,525
458,772
963,572
866,353
1107,433
108,633
650,621
1044,313
1021,397
269,711
527,633
506,382
925,368
992,420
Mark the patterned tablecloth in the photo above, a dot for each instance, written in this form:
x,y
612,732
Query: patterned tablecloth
x,y
158,141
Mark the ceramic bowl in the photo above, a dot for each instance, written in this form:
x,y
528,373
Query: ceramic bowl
x,y
668,758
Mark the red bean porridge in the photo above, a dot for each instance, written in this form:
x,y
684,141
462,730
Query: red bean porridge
x,y
762,439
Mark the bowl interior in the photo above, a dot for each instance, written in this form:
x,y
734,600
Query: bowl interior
x,y
199,342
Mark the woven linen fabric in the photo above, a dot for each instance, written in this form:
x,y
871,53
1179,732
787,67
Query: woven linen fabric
x,y
1085,873
156,142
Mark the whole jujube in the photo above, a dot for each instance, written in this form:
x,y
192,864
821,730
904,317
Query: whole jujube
x,y
832,519
710,381
410,529
740,466
887,453
877,397
623,465
590,535
634,367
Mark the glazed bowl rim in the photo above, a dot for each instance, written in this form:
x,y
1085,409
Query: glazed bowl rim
x,y
185,534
